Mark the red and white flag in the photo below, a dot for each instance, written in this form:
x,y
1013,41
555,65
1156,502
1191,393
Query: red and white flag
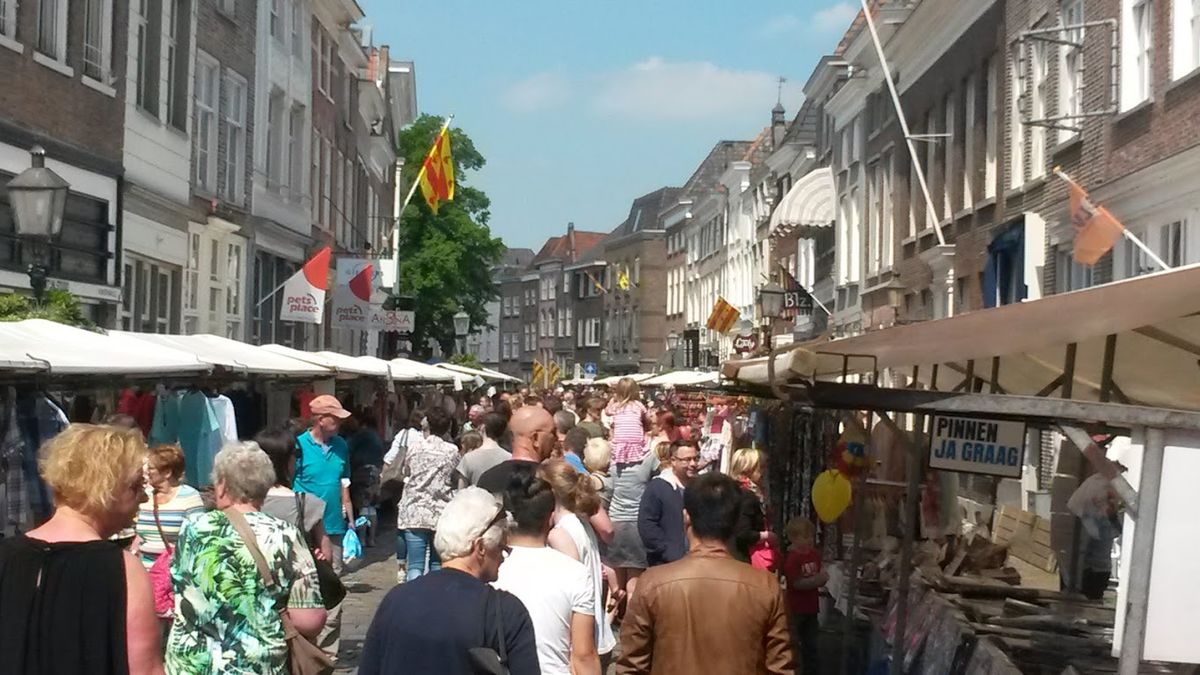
x,y
304,293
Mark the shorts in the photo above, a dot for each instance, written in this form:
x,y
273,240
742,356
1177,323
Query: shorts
x,y
626,549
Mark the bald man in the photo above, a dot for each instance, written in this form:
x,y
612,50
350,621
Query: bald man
x,y
533,439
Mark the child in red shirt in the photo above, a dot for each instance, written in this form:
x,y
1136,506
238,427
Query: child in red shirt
x,y
805,577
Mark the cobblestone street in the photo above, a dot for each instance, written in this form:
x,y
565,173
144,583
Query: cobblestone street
x,y
369,580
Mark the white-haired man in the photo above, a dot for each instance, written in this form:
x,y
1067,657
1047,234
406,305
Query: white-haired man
x,y
430,624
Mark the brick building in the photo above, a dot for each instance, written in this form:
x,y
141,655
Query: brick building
x,y
65,90
506,319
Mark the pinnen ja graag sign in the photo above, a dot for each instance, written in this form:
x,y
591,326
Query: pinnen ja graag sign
x,y
977,445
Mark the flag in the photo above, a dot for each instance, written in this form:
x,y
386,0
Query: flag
x,y
554,373
623,279
599,286
353,292
796,299
437,174
537,372
304,293
723,316
1096,230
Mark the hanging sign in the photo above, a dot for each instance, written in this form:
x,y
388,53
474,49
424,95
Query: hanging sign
x,y
977,445
744,344
352,293
304,292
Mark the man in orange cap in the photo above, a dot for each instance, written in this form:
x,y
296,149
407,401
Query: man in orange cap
x,y
323,468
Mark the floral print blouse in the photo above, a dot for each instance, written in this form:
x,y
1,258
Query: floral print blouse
x,y
226,620
428,468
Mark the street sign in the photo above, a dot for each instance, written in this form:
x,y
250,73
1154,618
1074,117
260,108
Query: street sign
x,y
798,302
977,445
746,343
589,369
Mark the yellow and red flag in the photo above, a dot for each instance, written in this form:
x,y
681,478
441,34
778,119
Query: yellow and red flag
x,y
723,316
437,175
1096,230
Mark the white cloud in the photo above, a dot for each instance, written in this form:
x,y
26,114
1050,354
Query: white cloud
x,y
659,90
537,92
834,19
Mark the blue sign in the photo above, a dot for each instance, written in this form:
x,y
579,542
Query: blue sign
x,y
589,369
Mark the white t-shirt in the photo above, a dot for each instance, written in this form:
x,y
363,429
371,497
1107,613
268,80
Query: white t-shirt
x,y
552,586
584,536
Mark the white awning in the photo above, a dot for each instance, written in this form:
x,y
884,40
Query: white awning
x,y
683,378
809,203
37,344
345,366
228,354
1154,322
407,370
485,374
611,380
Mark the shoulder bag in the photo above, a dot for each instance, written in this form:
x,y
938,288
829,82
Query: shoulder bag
x,y
391,480
160,572
491,660
304,657
333,591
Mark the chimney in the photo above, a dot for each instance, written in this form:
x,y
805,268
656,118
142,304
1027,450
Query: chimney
x,y
778,126
571,241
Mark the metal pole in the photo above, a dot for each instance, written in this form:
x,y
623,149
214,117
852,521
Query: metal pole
x,y
908,138
856,556
1134,638
408,198
906,549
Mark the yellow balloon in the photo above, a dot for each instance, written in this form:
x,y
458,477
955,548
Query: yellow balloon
x,y
831,495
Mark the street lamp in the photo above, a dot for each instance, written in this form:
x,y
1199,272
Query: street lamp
x,y
672,345
38,197
462,326
770,303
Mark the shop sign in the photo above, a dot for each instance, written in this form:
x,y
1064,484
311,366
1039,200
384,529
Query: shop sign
x,y
744,344
977,445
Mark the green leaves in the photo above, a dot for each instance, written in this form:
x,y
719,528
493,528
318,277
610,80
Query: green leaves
x,y
58,305
445,260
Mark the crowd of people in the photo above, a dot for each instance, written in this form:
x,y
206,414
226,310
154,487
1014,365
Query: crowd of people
x,y
536,534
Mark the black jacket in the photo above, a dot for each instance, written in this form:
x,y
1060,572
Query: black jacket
x,y
660,523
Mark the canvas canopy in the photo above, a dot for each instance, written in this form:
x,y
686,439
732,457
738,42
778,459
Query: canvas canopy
x,y
37,344
344,366
613,379
1146,330
682,378
407,370
485,374
225,353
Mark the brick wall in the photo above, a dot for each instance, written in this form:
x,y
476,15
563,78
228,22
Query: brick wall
x,y
62,109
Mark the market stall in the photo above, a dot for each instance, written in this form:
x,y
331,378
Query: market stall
x,y
683,378
1076,346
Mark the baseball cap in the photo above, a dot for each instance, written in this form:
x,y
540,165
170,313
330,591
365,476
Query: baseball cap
x,y
328,405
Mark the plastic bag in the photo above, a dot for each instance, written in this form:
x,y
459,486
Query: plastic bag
x,y
351,546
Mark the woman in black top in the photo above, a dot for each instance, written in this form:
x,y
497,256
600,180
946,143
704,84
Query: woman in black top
x,y
72,602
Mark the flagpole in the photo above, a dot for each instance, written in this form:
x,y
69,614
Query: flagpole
x,y
1124,230
408,198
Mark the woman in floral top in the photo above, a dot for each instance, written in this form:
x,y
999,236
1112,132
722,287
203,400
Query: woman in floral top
x,y
226,618
428,468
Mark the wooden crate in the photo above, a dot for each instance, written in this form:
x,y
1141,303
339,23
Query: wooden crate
x,y
1027,536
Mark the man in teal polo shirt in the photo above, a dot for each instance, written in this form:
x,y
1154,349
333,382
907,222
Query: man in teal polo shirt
x,y
323,468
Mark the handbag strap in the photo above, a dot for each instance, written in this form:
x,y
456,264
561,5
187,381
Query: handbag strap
x,y
247,536
497,616
158,525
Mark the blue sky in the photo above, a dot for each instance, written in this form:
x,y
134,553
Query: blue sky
x,y
579,107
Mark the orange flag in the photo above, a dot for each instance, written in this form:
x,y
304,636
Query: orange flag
x,y
437,178
1096,230
723,316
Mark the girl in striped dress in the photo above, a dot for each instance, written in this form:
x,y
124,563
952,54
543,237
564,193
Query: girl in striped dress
x,y
629,423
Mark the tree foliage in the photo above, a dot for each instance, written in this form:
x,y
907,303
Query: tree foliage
x,y
446,259
58,305
466,360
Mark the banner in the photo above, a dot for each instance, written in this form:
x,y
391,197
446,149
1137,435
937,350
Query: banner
x,y
304,293
352,290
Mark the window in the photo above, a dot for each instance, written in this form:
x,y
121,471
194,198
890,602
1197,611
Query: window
x,y
949,167
1038,108
1168,241
1016,130
52,28
326,66
228,7
348,203
296,149
191,278
971,140
1136,45
276,20
97,38
8,19
275,139
637,271
887,223
1070,101
234,261
297,30
178,48
148,26
1071,276
234,120
990,130
207,70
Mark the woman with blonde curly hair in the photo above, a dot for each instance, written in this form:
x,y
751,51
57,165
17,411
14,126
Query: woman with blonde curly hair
x,y
73,601
755,542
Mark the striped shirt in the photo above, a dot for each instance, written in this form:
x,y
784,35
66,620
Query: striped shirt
x,y
628,434
171,515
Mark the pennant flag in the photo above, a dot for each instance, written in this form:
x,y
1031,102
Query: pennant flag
x,y
723,316
623,279
304,293
437,176
1096,230
796,299
360,285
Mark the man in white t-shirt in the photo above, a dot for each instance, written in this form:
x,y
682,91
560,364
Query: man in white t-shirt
x,y
554,587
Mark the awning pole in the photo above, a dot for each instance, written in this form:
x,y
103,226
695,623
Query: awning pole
x,y
1142,558
903,583
908,137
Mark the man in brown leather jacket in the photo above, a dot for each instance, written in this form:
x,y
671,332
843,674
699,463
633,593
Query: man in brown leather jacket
x,y
707,613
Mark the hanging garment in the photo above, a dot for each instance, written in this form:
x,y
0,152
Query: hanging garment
x,y
165,428
12,450
226,418
199,436
40,420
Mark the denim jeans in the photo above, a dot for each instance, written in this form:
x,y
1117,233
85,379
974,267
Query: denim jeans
x,y
401,548
422,558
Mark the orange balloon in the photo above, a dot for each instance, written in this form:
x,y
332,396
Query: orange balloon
x,y
831,495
